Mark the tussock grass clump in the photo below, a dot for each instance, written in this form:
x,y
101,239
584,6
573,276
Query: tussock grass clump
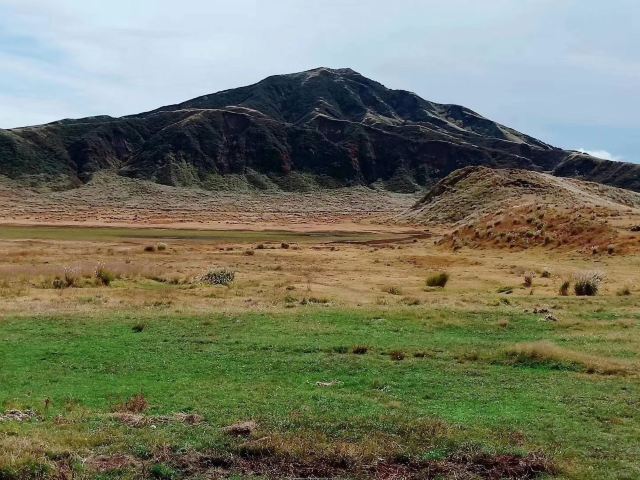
x,y
149,248
103,275
138,327
547,353
439,279
136,404
564,288
624,291
71,277
397,355
219,277
528,279
587,283
359,349
393,290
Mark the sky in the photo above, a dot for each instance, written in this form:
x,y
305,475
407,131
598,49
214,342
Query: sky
x,y
564,71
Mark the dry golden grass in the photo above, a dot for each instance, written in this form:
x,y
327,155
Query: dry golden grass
x,y
547,352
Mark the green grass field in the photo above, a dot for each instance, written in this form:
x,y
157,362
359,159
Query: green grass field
x,y
11,232
456,393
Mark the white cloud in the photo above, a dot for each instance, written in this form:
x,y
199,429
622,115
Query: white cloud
x,y
600,154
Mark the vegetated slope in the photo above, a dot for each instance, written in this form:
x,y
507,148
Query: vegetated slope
x,y
518,208
586,167
319,128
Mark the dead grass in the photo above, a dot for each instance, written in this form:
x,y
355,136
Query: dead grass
x,y
544,352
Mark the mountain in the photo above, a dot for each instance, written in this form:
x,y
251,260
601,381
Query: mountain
x,y
323,127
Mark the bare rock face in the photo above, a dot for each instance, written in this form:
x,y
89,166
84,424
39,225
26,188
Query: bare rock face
x,y
321,128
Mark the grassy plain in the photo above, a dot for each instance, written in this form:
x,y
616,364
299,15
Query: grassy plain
x,y
332,344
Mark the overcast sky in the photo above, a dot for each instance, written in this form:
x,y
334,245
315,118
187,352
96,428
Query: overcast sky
x,y
565,71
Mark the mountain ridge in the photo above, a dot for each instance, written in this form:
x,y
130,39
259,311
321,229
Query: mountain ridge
x,y
322,127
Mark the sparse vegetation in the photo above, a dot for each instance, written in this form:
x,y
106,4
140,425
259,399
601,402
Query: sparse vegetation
x,y
624,291
564,288
392,290
136,404
219,277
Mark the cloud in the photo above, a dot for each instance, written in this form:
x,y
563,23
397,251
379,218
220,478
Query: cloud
x,y
600,154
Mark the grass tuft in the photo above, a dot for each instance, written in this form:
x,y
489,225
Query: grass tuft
x,y
438,280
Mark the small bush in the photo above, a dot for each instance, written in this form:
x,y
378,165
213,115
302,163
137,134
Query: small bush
x,y
103,275
397,355
564,288
545,273
249,252
438,280
59,283
219,277
587,284
161,247
284,245
260,246
611,249
150,248
359,349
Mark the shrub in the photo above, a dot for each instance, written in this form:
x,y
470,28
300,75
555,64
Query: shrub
x,y
161,247
219,277
545,273
564,288
59,283
249,252
611,249
359,349
284,245
587,284
149,248
103,275
438,280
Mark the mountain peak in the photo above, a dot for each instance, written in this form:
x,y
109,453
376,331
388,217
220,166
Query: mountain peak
x,y
330,126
